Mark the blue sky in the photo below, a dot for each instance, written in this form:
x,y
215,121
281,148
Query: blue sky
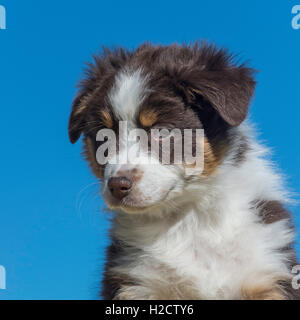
x,y
53,228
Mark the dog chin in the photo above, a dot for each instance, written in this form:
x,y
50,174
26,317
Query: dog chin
x,y
134,209
130,207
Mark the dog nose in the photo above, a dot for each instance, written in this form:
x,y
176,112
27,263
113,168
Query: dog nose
x,y
119,187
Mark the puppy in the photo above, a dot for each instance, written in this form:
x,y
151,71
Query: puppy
x,y
180,231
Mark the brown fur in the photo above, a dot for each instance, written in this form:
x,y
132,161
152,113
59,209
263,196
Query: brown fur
x,y
212,158
106,119
263,293
272,211
112,282
148,118
89,153
264,287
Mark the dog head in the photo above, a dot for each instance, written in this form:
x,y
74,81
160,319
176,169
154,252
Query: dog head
x,y
159,87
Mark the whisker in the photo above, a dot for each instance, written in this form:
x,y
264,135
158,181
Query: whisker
x,y
79,202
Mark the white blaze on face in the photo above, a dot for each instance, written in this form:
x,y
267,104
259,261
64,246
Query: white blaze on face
x,y
126,96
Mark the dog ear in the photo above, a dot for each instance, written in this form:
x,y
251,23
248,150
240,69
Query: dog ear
x,y
228,91
215,77
78,116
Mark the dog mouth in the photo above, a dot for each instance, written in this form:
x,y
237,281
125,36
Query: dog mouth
x,y
135,209
128,205
131,198
133,205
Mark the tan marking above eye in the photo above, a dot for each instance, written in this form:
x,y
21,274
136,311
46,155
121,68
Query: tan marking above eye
x,y
148,117
106,119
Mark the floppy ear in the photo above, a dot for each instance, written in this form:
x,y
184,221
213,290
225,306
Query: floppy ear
x,y
229,93
229,90
78,116
216,78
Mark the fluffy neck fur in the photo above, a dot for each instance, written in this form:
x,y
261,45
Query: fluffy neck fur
x,y
212,233
212,200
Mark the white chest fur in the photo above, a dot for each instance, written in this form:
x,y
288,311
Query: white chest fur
x,y
218,243
219,259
